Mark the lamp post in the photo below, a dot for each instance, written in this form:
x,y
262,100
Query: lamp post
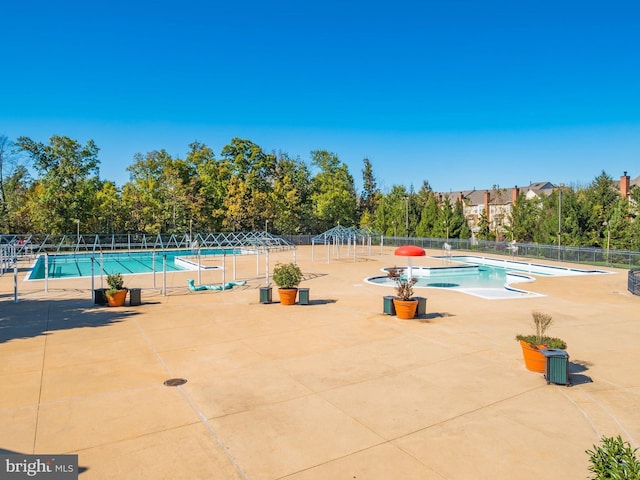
x,y
559,217
608,225
266,225
78,225
406,213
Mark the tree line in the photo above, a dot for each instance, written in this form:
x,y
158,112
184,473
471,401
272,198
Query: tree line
x,y
246,188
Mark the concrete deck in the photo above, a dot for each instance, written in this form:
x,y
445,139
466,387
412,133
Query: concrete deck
x,y
335,389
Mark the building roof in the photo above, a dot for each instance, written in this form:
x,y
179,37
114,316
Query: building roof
x,y
498,196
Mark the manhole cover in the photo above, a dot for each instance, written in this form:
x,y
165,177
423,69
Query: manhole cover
x,y
175,382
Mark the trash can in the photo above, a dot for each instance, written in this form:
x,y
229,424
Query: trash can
x,y
557,367
99,297
265,294
422,307
135,296
387,305
303,296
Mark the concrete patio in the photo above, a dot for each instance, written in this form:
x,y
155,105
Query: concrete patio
x,y
334,389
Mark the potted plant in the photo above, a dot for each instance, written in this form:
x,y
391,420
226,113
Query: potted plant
x,y
287,276
613,458
116,293
531,344
404,304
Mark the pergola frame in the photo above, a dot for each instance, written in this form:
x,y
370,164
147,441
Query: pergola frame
x,y
35,244
336,237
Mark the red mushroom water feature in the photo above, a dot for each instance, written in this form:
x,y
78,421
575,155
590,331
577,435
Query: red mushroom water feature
x,y
409,251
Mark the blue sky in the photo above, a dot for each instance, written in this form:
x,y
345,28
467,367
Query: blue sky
x,y
462,94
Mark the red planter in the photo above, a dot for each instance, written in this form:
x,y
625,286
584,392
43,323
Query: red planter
x,y
405,309
288,295
533,359
117,299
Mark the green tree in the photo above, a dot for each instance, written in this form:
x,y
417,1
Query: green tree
x,y
208,188
370,192
15,182
459,225
523,219
484,232
333,196
289,213
67,183
110,210
249,165
444,221
155,196
600,200
429,211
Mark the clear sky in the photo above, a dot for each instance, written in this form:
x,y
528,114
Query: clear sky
x,y
462,94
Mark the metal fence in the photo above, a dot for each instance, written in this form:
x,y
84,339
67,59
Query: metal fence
x,y
634,281
583,255
34,244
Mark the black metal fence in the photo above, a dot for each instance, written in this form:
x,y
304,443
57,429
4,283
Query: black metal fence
x,y
583,255
634,281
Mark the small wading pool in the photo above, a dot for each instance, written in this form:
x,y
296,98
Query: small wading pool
x,y
483,277
80,265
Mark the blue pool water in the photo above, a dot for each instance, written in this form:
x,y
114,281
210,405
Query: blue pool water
x,y
483,277
464,277
80,265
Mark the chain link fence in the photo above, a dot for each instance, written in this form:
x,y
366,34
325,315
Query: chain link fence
x,y
582,255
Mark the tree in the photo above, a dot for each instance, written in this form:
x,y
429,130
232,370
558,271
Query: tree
x,y
427,206
289,213
109,206
249,165
459,226
333,196
523,219
66,185
484,232
600,199
208,188
370,192
15,182
155,196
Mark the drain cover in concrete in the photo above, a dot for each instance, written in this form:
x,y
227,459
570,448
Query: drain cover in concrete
x,y
174,382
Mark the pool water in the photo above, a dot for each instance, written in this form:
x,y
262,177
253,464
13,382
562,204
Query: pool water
x,y
80,265
483,277
464,277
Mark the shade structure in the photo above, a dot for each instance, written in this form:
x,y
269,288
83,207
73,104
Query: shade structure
x,y
409,251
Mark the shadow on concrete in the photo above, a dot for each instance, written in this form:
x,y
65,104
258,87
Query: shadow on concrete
x,y
575,368
322,301
432,316
32,318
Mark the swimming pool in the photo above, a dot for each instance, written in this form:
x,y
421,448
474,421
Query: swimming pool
x,y
82,265
484,277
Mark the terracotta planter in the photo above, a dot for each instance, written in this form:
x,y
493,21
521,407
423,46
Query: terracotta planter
x,y
118,298
288,295
533,359
405,309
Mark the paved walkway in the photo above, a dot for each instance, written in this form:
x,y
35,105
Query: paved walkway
x,y
335,389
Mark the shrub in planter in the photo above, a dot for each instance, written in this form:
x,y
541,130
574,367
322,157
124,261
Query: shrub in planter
x,y
614,459
287,276
532,344
404,304
116,294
